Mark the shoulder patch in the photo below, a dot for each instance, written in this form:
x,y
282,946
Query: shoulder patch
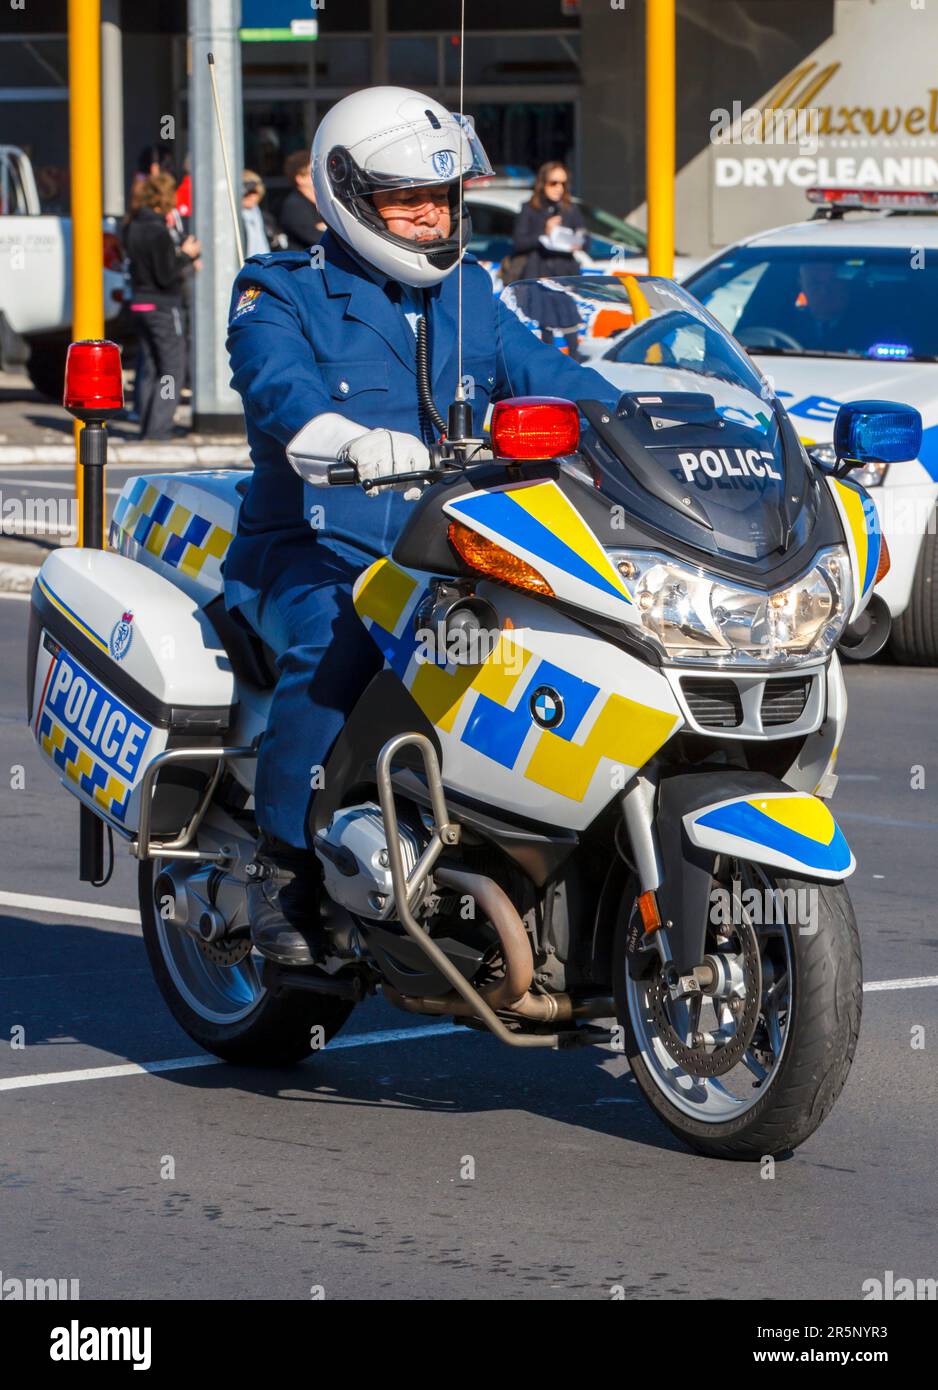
x,y
247,301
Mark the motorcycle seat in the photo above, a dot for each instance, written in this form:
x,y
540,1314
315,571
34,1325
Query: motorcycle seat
x,y
252,661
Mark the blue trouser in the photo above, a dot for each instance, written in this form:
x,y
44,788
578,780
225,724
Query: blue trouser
x,y
325,660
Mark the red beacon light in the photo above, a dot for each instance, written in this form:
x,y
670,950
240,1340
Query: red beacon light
x,y
534,427
94,383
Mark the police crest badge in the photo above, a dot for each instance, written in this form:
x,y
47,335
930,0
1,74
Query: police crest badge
x,y
122,634
247,301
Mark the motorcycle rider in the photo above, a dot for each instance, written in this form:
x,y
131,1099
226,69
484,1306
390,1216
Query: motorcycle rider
x,y
323,348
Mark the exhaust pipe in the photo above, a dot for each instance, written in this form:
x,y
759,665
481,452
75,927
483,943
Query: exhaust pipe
x,y
512,994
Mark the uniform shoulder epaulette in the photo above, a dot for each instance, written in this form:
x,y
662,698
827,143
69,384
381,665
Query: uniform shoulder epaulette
x,y
280,260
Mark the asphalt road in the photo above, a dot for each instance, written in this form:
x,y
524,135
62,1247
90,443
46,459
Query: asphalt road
x,y
348,1173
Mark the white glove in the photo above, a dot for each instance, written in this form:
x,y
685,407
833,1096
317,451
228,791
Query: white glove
x,y
382,453
328,438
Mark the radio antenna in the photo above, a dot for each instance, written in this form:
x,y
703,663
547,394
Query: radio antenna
x,y
462,118
236,221
459,426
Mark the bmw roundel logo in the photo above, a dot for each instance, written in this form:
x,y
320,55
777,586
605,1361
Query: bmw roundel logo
x,y
547,707
444,162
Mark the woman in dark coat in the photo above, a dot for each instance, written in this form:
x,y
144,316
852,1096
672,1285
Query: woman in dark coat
x,y
157,268
550,211
550,208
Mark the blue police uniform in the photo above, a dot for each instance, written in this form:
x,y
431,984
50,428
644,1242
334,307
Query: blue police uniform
x,y
306,339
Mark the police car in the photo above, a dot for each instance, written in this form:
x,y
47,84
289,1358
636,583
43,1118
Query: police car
x,y
841,308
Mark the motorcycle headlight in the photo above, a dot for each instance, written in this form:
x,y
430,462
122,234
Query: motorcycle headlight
x,y
692,616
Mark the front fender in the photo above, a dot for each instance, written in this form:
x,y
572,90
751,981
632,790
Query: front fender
x,y
783,829
747,814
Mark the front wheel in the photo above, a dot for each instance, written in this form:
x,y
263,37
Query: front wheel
x,y
216,993
751,1069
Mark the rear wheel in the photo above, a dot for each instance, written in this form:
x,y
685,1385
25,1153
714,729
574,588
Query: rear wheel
x,y
217,994
753,1068
914,637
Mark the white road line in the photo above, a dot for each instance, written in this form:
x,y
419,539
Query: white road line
x,y
37,483
73,908
56,1078
20,598
70,907
127,465
913,982
376,1039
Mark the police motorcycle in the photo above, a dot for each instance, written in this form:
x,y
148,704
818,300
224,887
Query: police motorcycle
x,y
585,800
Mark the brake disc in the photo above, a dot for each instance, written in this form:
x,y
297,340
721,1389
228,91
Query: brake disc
x,y
226,952
696,1060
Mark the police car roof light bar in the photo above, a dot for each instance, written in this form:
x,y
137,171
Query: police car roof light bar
x,y
837,201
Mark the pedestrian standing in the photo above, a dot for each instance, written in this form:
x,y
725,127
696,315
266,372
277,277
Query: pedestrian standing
x,y
156,276
550,226
299,215
179,221
548,230
261,233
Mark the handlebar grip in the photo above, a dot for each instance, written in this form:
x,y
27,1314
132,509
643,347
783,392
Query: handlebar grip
x,y
340,474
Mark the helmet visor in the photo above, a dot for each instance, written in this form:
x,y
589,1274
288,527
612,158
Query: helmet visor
x,y
433,149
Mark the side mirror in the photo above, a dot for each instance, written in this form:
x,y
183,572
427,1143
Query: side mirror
x,y
876,432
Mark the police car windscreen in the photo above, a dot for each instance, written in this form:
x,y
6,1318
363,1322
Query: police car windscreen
x,y
880,304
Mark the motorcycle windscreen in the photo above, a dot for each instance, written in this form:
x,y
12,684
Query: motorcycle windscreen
x,y
697,445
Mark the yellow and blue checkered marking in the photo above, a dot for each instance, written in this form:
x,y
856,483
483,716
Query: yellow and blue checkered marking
x,y
539,519
498,732
800,827
168,530
111,794
499,692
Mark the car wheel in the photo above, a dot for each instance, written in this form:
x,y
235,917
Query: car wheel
x,y
914,638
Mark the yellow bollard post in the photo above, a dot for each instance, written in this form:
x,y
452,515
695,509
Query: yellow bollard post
x,y
659,133
84,130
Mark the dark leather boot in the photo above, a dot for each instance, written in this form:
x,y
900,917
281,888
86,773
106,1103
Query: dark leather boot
x,y
283,903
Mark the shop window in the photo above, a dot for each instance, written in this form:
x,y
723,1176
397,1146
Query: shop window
x,y
514,59
413,62
481,14
41,63
273,130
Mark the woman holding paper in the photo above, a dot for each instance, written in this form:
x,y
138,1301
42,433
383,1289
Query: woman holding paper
x,y
550,227
548,230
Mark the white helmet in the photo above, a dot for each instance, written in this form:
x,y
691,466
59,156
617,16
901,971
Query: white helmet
x,y
386,138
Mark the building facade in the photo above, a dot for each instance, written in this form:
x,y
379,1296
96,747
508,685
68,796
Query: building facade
x,y
544,79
